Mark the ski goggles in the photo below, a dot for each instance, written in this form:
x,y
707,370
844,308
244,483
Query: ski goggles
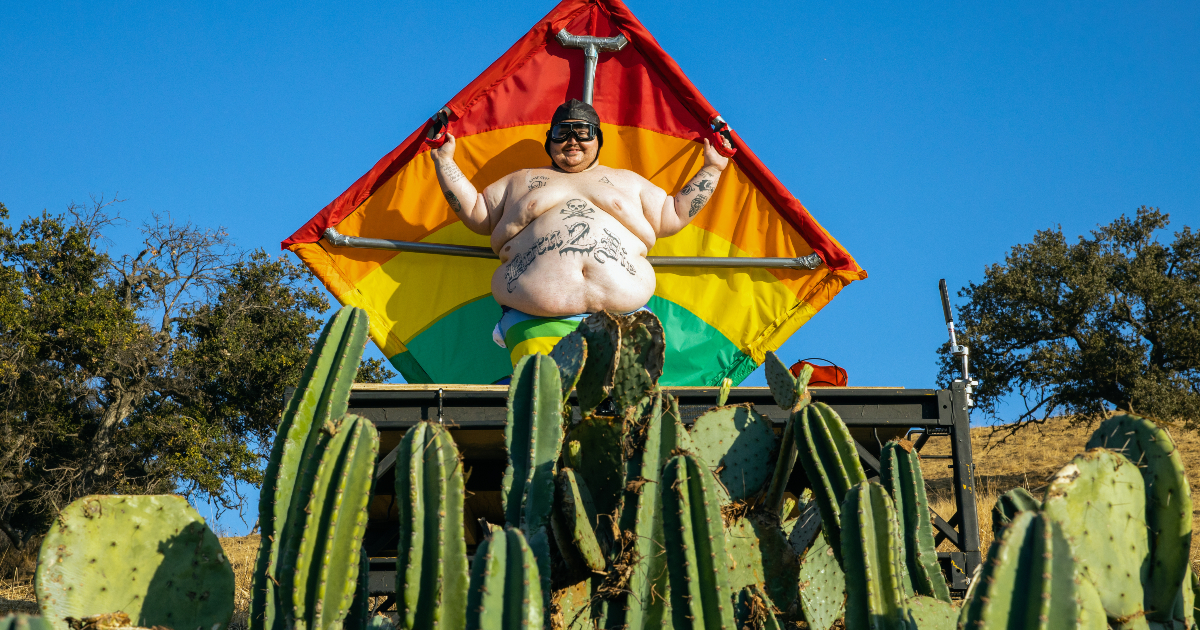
x,y
583,131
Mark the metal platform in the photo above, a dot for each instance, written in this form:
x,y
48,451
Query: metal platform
x,y
475,416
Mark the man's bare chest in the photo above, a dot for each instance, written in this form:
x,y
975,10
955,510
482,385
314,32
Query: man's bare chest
x,y
580,195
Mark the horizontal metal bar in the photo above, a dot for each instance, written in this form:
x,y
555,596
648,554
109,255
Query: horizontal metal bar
x,y
811,261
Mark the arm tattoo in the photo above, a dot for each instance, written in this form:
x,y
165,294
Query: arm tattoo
x,y
455,205
697,203
521,262
537,181
452,173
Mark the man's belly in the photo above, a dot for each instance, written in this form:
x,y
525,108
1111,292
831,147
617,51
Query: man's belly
x,y
564,265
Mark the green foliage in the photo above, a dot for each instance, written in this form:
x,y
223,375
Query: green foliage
x,y
1107,322
143,373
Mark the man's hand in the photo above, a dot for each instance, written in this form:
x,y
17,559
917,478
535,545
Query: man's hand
x,y
711,156
444,152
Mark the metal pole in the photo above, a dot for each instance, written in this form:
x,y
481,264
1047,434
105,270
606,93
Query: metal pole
x,y
811,261
964,478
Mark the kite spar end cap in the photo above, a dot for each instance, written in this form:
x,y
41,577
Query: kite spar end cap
x,y
591,51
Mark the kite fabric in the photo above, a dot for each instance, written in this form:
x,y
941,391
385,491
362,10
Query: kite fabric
x,y
432,315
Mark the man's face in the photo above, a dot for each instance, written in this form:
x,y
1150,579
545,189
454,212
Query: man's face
x,y
572,155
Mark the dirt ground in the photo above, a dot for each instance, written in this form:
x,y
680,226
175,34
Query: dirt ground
x,y
1028,459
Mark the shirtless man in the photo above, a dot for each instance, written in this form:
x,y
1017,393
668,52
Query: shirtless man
x,y
572,237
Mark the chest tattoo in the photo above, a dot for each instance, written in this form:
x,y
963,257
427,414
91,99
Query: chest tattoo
x,y
577,209
537,181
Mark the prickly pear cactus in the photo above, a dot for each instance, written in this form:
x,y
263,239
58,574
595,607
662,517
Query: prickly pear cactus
x,y
431,553
640,359
602,332
1099,499
790,392
1008,505
505,590
602,461
322,396
1032,580
1168,504
151,557
900,473
760,557
574,521
822,584
570,355
830,459
24,622
739,442
699,582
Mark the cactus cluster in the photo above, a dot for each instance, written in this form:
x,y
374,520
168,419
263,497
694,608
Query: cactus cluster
x,y
621,517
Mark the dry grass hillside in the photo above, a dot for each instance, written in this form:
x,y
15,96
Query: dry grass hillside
x,y
1027,459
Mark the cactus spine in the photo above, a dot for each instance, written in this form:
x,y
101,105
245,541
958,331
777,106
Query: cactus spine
x,y
827,453
431,582
505,591
1031,580
151,557
901,476
1168,505
322,396
696,560
1100,501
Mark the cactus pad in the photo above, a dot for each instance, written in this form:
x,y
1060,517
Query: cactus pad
x,y
1168,503
574,521
1008,505
602,332
570,355
601,461
753,610
151,557
929,613
633,381
760,557
822,584
24,622
1100,501
737,441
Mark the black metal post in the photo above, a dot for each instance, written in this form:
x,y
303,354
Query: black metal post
x,y
964,480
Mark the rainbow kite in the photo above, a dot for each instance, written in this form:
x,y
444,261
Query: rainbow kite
x,y
432,315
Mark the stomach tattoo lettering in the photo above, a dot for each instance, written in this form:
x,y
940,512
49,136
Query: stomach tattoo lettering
x,y
521,262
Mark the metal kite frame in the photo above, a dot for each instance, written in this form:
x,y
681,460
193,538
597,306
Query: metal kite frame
x,y
476,414
811,261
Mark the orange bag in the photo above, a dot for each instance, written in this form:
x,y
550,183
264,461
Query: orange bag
x,y
823,375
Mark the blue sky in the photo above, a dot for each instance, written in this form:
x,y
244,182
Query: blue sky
x,y
929,138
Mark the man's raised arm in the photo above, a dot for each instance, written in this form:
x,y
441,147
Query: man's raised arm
x,y
680,209
467,203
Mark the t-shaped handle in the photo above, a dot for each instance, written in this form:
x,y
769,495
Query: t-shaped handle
x,y
591,51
